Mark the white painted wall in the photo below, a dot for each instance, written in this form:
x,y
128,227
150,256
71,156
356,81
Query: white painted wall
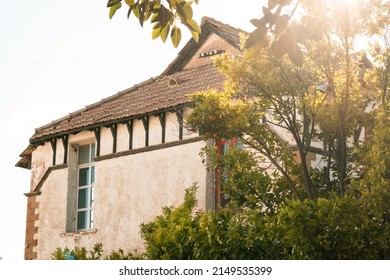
x,y
155,131
41,160
129,190
122,138
138,134
105,141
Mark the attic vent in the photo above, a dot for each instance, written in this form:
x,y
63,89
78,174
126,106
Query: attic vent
x,y
172,82
210,53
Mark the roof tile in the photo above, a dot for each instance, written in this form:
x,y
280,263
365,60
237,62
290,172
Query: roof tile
x,y
153,95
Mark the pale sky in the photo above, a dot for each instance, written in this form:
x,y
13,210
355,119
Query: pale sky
x,y
57,57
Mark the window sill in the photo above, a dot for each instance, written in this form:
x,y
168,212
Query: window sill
x,y
78,232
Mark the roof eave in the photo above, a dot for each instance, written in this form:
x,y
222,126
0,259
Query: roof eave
x,y
40,140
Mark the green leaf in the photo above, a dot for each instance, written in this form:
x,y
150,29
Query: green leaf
x,y
285,43
143,9
114,8
154,17
156,30
136,10
272,4
185,10
164,16
111,3
164,32
256,37
195,35
296,56
129,2
129,11
176,36
276,50
257,22
285,2
281,23
192,25
266,11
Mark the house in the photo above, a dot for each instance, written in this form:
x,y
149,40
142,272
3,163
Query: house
x,y
100,172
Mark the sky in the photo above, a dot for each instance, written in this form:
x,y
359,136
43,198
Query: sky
x,y
57,57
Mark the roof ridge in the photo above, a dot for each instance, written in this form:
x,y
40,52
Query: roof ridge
x,y
213,21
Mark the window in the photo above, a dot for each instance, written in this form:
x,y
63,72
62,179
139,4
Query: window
x,y
85,186
221,198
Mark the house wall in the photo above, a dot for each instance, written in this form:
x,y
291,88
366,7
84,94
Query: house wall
x,y
131,186
41,160
129,190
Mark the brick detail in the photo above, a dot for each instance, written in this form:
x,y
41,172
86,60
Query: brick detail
x,y
31,229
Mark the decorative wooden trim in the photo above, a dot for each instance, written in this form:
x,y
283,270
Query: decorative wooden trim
x,y
44,177
114,133
65,140
96,131
92,127
130,125
53,143
162,119
180,119
150,148
145,122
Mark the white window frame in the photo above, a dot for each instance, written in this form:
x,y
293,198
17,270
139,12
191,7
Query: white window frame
x,y
89,188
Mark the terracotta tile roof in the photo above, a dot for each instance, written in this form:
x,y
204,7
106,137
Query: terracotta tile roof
x,y
25,161
150,96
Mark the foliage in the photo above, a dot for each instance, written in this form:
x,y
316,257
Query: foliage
x,y
169,235
298,84
336,228
216,116
164,18
178,234
81,253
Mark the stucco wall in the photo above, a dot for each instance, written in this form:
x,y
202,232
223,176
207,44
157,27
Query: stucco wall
x,y
41,160
213,42
129,190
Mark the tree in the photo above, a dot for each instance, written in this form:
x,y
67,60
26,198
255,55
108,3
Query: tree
x,y
321,102
280,33
166,18
81,253
299,77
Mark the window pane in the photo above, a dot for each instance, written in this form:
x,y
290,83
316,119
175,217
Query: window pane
x,y
91,219
92,198
92,175
92,152
83,154
83,198
82,220
83,176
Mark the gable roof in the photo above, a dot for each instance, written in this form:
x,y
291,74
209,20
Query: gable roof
x,y
209,25
167,91
150,96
